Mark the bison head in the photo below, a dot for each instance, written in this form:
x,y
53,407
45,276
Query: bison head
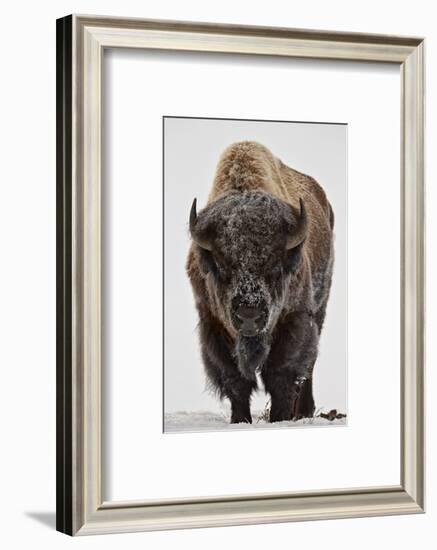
x,y
249,245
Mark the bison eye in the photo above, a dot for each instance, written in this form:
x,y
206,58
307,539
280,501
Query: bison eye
x,y
274,272
207,262
292,259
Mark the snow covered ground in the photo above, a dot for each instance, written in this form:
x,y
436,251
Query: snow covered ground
x,y
203,421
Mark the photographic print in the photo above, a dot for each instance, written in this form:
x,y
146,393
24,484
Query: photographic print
x,y
255,274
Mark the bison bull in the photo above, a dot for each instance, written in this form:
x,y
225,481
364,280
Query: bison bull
x,y
260,265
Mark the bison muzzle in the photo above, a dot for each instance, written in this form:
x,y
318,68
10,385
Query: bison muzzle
x,y
260,265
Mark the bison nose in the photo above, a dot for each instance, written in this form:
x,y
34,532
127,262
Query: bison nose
x,y
248,314
249,320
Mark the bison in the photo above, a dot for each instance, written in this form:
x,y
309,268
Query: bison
x,y
260,265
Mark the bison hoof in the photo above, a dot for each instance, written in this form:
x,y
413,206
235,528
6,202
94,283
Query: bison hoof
x,y
239,418
305,410
280,417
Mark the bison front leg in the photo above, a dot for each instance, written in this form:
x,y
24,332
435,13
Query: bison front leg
x,y
227,380
305,406
287,375
239,393
291,397
283,395
222,370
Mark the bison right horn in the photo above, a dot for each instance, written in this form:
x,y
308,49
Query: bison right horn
x,y
299,232
197,238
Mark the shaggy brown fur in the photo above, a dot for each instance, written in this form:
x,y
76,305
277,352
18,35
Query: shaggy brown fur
x,y
261,305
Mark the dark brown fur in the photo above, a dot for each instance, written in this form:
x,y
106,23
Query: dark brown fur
x,y
252,210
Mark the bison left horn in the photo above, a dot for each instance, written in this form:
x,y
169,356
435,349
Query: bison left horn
x,y
197,238
299,232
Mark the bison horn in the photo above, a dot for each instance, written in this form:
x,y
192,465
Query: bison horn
x,y
197,238
299,232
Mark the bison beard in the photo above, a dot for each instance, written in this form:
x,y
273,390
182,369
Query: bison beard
x,y
251,352
260,266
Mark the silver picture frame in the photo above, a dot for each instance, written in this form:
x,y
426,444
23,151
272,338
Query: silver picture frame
x,y
81,41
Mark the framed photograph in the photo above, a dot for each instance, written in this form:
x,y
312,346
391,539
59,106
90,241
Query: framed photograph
x,y
240,265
